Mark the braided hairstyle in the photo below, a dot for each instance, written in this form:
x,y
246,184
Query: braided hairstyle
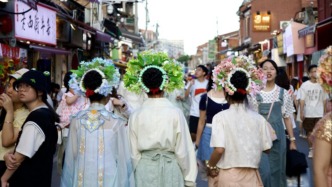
x,y
152,78
240,81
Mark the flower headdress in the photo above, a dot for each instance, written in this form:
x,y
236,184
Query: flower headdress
x,y
324,70
110,77
172,72
224,71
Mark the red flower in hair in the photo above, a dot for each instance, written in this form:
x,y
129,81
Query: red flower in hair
x,y
89,92
154,90
241,91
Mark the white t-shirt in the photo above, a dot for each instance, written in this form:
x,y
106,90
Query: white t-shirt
x,y
31,139
314,97
196,91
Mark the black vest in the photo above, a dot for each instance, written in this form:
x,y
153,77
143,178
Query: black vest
x,y
37,171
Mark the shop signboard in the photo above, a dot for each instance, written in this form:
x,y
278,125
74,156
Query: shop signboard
x,y
8,51
292,43
261,22
212,50
309,40
35,25
280,42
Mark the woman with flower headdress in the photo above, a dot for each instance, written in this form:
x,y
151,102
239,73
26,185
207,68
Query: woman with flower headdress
x,y
322,134
97,152
210,104
161,148
239,134
276,105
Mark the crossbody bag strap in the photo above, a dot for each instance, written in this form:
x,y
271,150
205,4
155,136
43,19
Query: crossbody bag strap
x,y
268,116
274,100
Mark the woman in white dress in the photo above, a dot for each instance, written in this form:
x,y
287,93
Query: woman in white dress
x,y
161,148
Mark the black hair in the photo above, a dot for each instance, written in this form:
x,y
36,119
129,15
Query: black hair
x,y
3,114
204,68
311,67
56,86
282,80
210,82
274,64
294,83
54,114
66,80
152,79
93,80
305,78
240,81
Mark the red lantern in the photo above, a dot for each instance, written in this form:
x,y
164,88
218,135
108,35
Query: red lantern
x,y
6,25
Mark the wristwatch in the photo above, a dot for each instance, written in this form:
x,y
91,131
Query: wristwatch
x,y
292,139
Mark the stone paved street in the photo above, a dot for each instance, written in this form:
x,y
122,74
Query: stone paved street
x,y
306,179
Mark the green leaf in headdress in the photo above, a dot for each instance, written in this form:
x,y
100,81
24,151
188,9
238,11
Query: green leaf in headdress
x,y
234,60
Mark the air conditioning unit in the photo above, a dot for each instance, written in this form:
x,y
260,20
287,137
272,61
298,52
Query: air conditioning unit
x,y
284,24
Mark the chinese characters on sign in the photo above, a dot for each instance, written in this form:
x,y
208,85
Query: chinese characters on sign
x,y
261,22
36,25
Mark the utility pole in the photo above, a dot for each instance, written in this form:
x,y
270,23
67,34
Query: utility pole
x,y
217,27
146,23
136,17
146,18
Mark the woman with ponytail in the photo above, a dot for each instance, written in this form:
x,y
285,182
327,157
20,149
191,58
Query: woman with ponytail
x,y
31,162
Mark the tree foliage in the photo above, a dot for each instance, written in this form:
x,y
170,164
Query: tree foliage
x,y
184,58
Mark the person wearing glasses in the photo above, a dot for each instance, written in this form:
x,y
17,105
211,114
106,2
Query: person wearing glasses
x,y
31,162
12,117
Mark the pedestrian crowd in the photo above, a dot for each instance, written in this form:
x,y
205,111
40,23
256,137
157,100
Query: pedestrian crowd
x,y
232,124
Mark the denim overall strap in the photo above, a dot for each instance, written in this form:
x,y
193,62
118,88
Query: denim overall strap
x,y
273,166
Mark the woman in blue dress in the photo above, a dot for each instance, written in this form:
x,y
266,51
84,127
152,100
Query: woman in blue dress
x,y
97,153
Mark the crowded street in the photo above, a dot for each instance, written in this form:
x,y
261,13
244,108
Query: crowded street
x,y
176,93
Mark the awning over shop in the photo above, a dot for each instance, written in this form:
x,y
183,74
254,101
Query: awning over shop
x,y
307,30
103,37
222,52
324,30
134,37
241,47
51,50
100,36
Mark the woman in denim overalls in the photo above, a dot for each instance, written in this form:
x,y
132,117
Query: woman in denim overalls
x,y
273,165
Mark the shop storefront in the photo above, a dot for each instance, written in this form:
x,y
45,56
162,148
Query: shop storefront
x,y
294,49
11,59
